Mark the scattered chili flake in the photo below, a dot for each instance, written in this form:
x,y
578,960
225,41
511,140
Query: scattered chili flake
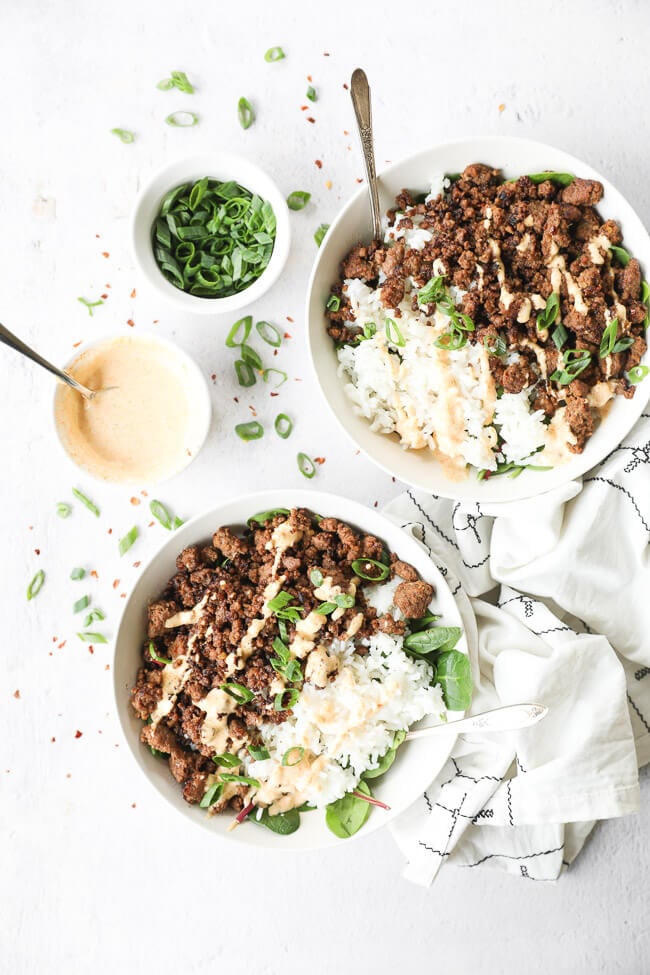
x,y
107,667
253,410
156,320
52,739
91,649
105,254
376,504
145,494
94,573
309,78
135,500
136,565
104,296
319,163
236,399
78,733
502,107
274,394
75,345
98,235
62,644
345,132
30,528
68,775
151,524
288,335
213,377
346,86
130,322
116,583
394,480
319,460
37,551
122,595
310,119
17,694
303,108
328,184
133,805
110,531
133,294
359,180
326,54
107,286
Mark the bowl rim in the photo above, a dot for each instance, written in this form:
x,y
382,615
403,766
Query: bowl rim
x,y
199,385
149,198
266,498
484,491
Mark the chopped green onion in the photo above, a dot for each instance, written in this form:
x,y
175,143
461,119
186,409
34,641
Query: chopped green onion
x,y
245,113
560,335
266,375
263,516
240,693
283,425
293,756
620,254
575,362
274,54
245,373
325,609
212,795
363,568
316,577
333,303
35,585
239,779
499,347
286,699
227,760
178,80
163,515
92,637
636,374
81,604
253,430
282,599
77,573
259,754
306,465
86,501
433,291
321,230
89,305
451,341
182,120
233,339
124,135
250,356
311,94
94,616
127,541
270,334
153,653
550,313
298,200
344,600
369,330
393,333
63,510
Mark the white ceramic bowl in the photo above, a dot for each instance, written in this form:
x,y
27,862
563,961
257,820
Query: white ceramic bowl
x,y
198,393
216,165
417,763
418,468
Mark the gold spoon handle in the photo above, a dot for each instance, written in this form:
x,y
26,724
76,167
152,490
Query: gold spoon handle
x,y
8,338
360,94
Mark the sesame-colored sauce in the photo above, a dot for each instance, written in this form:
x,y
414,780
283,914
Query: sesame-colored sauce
x,y
140,430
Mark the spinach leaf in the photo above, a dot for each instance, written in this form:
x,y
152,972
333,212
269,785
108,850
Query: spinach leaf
x,y
283,824
455,679
426,641
388,759
346,816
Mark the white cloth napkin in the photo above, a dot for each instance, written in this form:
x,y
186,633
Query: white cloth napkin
x,y
555,598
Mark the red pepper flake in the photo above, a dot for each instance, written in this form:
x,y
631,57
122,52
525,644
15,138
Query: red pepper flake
x,y
116,583
133,805
253,410
289,318
328,184
98,236
136,565
502,107
17,694
156,320
310,119
188,452
52,739
346,86
288,335
30,528
130,322
110,531
104,296
345,132
318,163
75,345
107,286
94,573
107,667
135,500
62,644
236,399
105,254
151,524
319,460
359,180
326,54
78,733
303,108
91,649
37,551
133,294
394,480
145,494
213,377
122,595
68,775
274,394
54,639
309,78
376,504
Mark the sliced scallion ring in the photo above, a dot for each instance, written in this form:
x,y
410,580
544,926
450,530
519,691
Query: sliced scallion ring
x,y
286,699
253,430
182,119
306,465
637,373
245,113
36,584
245,373
370,569
293,756
240,693
269,333
239,779
283,425
266,376
153,653
238,334
227,760
393,333
274,54
124,135
258,754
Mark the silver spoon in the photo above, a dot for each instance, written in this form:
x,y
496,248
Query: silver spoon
x,y
360,94
507,718
8,338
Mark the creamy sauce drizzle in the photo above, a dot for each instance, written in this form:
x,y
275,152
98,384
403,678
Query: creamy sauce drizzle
x,y
174,677
140,431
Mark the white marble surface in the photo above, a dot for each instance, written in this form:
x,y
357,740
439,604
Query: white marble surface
x,y
95,873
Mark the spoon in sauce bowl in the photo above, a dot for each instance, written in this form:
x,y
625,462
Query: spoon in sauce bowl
x,y
11,340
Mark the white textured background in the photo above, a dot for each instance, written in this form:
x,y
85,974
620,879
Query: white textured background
x,y
95,873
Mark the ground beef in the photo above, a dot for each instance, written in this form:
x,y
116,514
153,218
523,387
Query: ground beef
x,y
413,598
228,579
532,225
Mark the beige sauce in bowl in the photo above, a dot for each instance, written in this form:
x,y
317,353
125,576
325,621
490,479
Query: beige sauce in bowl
x,y
146,428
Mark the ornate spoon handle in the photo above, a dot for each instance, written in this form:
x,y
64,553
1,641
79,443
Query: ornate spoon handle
x,y
360,93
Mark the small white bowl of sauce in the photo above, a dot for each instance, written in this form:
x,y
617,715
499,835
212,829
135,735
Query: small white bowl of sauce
x,y
149,422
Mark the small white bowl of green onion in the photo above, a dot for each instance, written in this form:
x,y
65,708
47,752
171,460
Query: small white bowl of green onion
x,y
211,233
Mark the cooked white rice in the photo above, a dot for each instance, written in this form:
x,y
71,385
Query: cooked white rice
x,y
350,724
433,399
